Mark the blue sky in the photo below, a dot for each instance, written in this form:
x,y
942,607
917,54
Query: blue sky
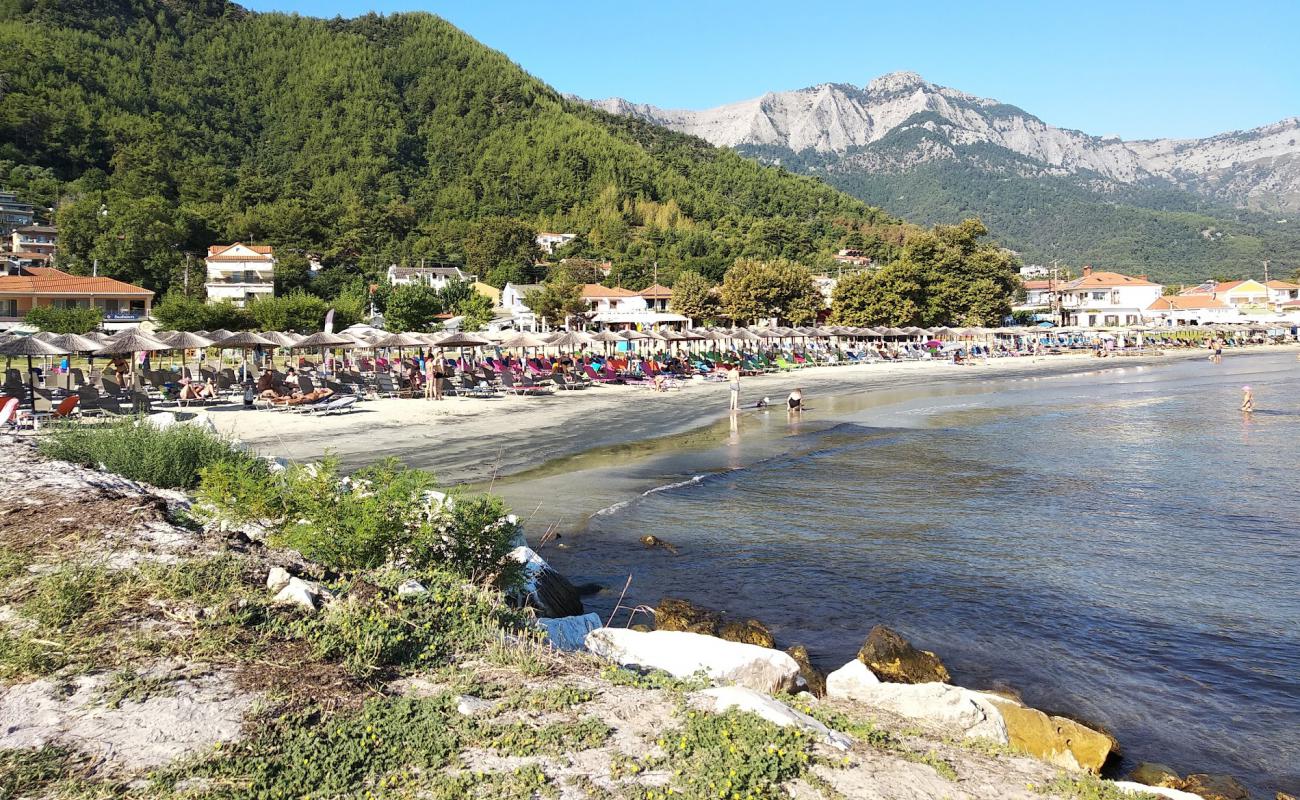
x,y
1137,69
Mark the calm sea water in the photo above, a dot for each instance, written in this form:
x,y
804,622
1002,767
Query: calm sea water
x,y
1123,545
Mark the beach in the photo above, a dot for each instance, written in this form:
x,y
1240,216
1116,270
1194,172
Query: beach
x,y
472,440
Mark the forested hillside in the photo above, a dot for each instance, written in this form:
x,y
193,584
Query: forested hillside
x,y
157,128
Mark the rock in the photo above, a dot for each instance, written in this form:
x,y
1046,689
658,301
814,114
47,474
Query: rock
x,y
641,628
969,712
723,698
277,579
473,706
846,680
545,588
655,541
568,633
1215,787
812,678
673,614
1284,795
1159,791
409,587
751,631
1155,775
303,594
682,654
1056,740
894,659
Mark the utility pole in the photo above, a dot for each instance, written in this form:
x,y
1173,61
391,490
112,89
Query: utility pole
x,y
187,274
1266,270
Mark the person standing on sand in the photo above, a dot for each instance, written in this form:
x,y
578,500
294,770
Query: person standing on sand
x,y
1247,400
733,380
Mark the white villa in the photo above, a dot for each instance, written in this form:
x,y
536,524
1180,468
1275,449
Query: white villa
x,y
1189,309
1106,299
433,277
240,272
550,242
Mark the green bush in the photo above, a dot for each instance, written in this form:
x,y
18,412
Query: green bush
x,y
385,514
64,320
170,458
735,754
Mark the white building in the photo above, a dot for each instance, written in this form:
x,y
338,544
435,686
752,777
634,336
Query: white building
x,y
1280,292
1181,310
1031,271
1106,299
611,298
434,277
550,242
240,272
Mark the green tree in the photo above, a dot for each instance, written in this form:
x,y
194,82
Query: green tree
x,y
558,300
292,272
64,320
693,297
180,313
758,290
476,311
893,296
297,311
495,241
412,307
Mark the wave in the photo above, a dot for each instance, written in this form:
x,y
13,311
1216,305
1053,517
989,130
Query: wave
x,y
619,506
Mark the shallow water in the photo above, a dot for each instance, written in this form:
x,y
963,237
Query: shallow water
x,y
1121,545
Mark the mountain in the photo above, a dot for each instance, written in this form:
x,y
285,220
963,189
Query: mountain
x,y
1173,207
162,126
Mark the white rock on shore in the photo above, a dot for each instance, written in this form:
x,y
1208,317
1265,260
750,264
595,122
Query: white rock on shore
x,y
1161,791
682,654
951,706
569,633
849,678
723,698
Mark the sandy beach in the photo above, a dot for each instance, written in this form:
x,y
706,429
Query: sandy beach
x,y
467,440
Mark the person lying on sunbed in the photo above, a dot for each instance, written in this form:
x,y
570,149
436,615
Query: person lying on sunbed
x,y
298,398
197,390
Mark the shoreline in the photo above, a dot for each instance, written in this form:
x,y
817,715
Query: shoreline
x,y
474,440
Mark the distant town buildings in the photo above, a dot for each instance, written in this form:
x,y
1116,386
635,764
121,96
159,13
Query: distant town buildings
x,y
550,242
25,288
14,213
433,277
239,272
853,258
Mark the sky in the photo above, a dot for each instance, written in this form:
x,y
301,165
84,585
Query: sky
x,y
1137,69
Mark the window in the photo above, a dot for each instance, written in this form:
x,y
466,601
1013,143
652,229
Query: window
x,y
1098,295
1112,320
8,308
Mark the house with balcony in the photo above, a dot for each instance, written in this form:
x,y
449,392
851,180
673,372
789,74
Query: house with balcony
x,y
657,296
240,272
1180,310
1282,292
14,213
1102,299
41,239
434,277
24,288
1246,296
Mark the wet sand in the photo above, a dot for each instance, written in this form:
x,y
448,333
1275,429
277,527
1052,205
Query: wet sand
x,y
472,440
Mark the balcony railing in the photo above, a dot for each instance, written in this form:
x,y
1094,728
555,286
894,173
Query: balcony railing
x,y
249,279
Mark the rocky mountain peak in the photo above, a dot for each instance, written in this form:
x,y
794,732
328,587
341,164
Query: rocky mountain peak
x,y
897,83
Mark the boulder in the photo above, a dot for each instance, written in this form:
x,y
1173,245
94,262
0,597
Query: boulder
x,y
1160,791
545,588
277,579
952,707
1283,796
304,594
1056,740
568,633
470,706
751,631
1155,775
1215,787
813,680
410,587
673,614
846,680
682,654
723,698
894,659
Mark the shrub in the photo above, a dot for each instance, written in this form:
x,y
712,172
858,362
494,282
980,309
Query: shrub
x,y
374,635
385,514
64,320
170,458
735,754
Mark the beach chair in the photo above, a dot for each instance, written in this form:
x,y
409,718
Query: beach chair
x,y
469,386
8,412
509,385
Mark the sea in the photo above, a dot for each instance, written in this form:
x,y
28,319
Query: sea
x,y
1119,545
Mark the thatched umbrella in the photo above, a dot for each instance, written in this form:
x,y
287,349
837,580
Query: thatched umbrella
x,y
129,343
322,341
184,340
30,346
524,339
459,339
74,343
244,341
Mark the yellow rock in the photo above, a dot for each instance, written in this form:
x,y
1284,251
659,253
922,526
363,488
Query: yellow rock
x,y
1056,740
1155,775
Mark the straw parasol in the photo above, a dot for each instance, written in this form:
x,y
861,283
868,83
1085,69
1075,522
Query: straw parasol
x,y
461,339
398,340
45,336
130,342
76,344
323,339
184,340
30,346
219,335
279,339
244,341
526,339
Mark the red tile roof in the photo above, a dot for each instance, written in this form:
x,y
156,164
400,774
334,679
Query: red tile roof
x,y
1186,302
1106,279
1043,284
592,291
47,280
656,292
1282,285
218,249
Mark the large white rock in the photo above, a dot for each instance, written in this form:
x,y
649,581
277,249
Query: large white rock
x,y
938,703
569,633
1141,788
844,681
301,593
277,579
682,654
723,698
